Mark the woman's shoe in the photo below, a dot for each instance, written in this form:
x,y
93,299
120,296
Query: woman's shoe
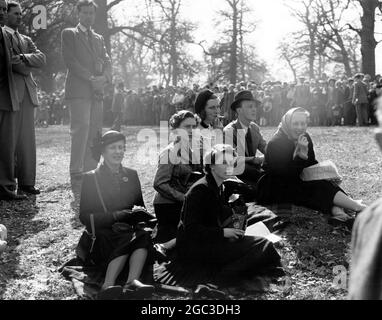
x,y
136,290
110,293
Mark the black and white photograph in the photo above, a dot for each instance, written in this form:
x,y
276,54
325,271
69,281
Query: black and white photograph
x,y
202,152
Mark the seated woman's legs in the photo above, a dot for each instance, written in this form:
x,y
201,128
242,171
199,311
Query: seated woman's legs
x,y
343,201
113,270
136,263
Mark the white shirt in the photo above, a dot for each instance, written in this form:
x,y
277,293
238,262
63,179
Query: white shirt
x,y
10,30
243,126
83,28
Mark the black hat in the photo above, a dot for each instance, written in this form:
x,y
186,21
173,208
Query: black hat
x,y
111,137
100,142
244,95
202,100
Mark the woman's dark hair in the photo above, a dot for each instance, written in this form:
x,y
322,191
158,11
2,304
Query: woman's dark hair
x,y
201,102
86,3
177,119
210,157
12,4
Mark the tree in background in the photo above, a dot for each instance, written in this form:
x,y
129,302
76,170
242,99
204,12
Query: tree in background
x,y
367,34
230,58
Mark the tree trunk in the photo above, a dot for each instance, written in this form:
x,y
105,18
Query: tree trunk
x,y
368,43
242,62
233,55
312,56
101,25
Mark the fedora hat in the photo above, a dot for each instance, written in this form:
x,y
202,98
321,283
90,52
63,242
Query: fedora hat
x,y
244,95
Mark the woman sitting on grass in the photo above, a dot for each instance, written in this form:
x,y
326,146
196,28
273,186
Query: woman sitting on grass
x,y
288,153
109,194
175,175
203,237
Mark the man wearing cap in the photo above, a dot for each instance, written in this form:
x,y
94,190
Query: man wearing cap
x,y
244,134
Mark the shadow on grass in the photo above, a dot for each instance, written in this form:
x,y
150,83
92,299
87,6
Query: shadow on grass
x,y
311,250
75,186
18,218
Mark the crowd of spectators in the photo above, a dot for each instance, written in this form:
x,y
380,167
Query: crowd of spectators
x,y
331,102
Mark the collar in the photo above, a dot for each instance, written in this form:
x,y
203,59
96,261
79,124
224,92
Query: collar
x,y
83,28
104,167
10,30
204,125
243,126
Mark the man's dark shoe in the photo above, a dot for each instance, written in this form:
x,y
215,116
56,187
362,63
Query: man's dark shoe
x,y
29,190
8,195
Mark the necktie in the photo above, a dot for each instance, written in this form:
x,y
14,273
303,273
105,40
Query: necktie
x,y
18,39
248,140
90,38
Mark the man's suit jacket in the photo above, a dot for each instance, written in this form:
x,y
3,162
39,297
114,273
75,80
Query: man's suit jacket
x,y
22,73
231,136
360,93
12,86
79,59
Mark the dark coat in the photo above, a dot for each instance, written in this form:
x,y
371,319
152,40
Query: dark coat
x,y
281,182
258,142
8,95
203,211
201,241
119,193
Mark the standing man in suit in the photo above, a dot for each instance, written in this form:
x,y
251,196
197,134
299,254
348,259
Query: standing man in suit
x,y
89,70
28,57
360,100
9,109
249,139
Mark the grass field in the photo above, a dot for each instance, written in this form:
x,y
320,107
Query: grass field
x,y
43,232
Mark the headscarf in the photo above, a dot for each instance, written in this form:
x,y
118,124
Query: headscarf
x,y
286,122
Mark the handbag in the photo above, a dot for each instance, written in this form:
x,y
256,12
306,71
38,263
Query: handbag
x,y
85,247
239,216
325,170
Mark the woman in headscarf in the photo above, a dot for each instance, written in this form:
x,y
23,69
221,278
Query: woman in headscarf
x,y
110,195
288,153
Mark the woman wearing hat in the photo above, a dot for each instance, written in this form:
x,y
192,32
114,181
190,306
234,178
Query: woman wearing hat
x,y
287,154
108,197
